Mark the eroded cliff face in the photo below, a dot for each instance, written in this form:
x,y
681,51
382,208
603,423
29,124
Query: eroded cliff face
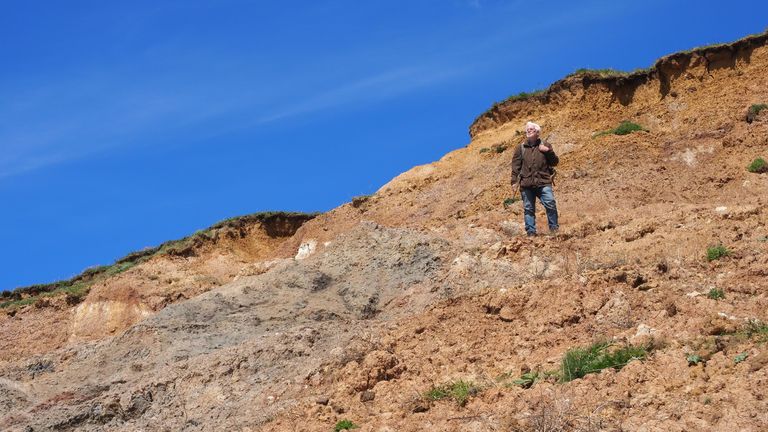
x,y
670,77
157,277
359,312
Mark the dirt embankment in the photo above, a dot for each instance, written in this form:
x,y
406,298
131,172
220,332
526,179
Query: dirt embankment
x,y
146,282
368,312
662,76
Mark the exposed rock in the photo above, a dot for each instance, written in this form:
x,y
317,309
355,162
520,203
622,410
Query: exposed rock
x,y
367,396
507,314
616,311
377,366
758,361
306,249
417,405
638,280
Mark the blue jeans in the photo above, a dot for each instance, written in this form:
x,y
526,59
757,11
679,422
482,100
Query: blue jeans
x,y
547,198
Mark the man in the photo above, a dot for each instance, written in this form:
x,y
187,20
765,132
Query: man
x,y
532,169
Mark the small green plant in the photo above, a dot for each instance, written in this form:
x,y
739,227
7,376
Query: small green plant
x,y
460,391
755,329
740,358
624,128
756,108
438,393
579,362
527,380
509,201
758,166
344,425
694,359
717,252
756,326
497,148
716,294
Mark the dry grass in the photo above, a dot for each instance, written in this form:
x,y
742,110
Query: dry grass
x,y
557,412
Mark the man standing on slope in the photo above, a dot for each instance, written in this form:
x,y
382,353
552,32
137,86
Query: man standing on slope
x,y
532,169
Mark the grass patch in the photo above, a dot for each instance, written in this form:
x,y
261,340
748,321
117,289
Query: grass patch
x,y
498,149
579,362
694,359
716,294
76,292
717,252
602,73
13,304
509,201
703,47
756,108
755,329
437,393
624,128
460,391
627,127
524,96
344,425
120,267
758,166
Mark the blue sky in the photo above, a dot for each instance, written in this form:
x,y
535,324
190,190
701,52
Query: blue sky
x,y
125,124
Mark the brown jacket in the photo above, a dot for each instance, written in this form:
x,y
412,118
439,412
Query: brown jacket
x,y
531,166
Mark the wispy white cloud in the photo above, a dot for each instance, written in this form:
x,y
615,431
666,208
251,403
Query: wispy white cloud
x,y
38,131
74,117
78,118
371,89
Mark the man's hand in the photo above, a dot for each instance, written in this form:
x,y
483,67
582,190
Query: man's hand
x,y
543,148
